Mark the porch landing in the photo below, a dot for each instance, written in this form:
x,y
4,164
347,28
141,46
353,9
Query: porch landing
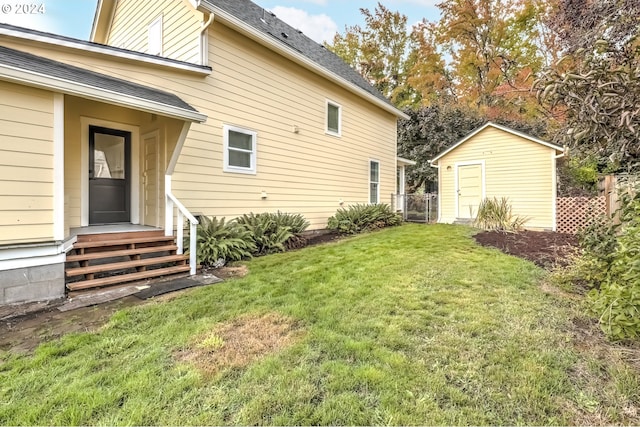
x,y
109,228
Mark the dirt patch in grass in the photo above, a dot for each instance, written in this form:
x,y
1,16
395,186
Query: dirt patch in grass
x,y
241,341
545,249
228,272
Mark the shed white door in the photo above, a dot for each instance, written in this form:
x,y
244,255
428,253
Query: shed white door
x,y
469,190
150,179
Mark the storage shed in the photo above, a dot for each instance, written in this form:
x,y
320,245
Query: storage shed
x,y
496,161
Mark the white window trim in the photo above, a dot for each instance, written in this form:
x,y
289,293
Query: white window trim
x,y
326,118
157,21
236,169
374,182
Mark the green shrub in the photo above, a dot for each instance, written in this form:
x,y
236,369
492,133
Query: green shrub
x,y
361,217
219,242
270,232
497,214
614,271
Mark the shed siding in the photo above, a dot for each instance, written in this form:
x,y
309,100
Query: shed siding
x,y
180,27
515,167
26,164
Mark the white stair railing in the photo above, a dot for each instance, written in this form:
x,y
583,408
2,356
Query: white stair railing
x,y
170,202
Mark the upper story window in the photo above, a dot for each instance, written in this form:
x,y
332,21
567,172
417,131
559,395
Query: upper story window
x,y
374,182
334,118
239,150
154,37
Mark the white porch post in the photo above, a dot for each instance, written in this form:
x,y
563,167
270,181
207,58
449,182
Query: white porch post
x,y
168,210
58,167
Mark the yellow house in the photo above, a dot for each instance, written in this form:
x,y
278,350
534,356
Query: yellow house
x,y
495,161
174,109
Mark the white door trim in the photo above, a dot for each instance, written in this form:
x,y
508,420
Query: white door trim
x,y
85,122
455,177
156,134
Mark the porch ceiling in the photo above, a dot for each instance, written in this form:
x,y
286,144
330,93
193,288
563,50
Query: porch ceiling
x,y
32,70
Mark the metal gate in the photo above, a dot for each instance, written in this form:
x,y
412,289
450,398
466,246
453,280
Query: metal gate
x,y
416,207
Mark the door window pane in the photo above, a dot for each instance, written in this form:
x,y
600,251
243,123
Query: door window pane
x,y
108,157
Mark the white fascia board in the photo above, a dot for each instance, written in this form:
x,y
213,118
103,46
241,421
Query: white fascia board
x,y
20,76
105,50
287,52
502,128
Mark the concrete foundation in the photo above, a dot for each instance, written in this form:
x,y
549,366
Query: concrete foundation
x,y
38,283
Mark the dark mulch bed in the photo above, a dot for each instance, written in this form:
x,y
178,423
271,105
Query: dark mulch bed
x,y
545,249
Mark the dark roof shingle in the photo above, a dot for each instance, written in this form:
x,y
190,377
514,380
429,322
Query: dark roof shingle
x,y
48,67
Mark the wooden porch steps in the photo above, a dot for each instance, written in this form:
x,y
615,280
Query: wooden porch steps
x,y
99,260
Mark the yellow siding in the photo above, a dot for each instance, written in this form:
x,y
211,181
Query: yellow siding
x,y
307,172
515,167
26,164
180,27
251,87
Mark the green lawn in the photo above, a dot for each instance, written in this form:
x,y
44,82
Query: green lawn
x,y
411,325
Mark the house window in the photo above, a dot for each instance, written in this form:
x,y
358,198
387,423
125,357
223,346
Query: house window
x,y
239,150
334,118
374,182
154,37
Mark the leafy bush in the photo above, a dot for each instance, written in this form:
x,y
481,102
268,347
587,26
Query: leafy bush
x,y
361,217
219,242
270,232
494,214
613,252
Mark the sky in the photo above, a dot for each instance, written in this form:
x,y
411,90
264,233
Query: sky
x,y
318,19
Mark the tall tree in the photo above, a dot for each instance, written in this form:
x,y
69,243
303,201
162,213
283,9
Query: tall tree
x,y
378,51
428,76
596,86
494,51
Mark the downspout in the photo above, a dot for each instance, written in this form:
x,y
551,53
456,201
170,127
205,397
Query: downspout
x,y
554,170
439,192
204,41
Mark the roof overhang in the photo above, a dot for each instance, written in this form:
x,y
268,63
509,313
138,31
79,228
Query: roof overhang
x,y
61,42
401,161
42,81
502,128
287,52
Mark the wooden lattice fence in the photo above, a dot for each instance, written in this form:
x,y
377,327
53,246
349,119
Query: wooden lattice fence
x,y
574,213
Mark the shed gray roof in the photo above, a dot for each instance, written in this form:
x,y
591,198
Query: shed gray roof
x,y
48,67
270,25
